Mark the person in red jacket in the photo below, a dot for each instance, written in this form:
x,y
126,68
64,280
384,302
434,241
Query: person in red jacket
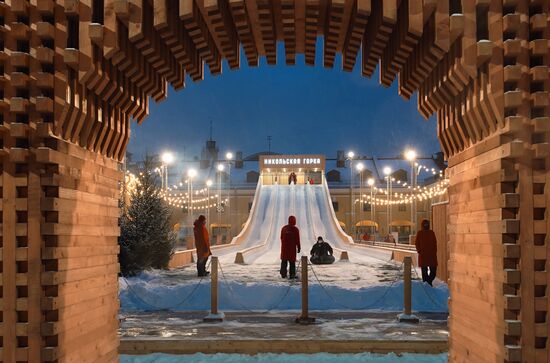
x,y
290,243
426,246
202,244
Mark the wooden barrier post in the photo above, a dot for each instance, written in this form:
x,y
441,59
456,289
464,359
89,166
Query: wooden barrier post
x,y
214,315
305,318
344,256
407,316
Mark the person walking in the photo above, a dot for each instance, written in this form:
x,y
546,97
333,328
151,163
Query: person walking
x,y
426,246
290,244
202,244
321,253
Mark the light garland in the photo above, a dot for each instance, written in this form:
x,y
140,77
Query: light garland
x,y
420,194
174,197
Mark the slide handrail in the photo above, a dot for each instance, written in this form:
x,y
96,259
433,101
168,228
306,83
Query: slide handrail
x,y
347,238
310,209
243,234
240,255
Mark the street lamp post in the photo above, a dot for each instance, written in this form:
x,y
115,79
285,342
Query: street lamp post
x,y
220,168
167,158
350,157
387,173
190,175
410,155
360,168
229,157
208,185
370,182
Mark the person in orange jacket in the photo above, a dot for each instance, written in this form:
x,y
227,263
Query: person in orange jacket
x,y
426,246
202,245
290,243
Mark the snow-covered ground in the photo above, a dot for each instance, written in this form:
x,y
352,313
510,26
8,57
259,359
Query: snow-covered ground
x,y
287,358
344,286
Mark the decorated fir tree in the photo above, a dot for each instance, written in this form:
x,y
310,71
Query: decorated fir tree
x,y
146,237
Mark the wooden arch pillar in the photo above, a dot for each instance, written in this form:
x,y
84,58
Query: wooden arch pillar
x,y
73,74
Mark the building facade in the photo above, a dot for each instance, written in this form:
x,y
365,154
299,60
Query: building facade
x,y
361,209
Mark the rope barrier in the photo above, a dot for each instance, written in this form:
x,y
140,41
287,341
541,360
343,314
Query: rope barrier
x,y
238,302
181,302
388,288
435,302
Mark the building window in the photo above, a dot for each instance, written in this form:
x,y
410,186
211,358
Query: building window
x,y
335,206
333,176
366,207
252,176
402,208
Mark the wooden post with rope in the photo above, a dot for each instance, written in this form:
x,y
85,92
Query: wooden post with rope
x,y
305,318
407,316
215,315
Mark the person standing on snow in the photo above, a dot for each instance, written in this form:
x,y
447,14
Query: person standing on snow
x,y
202,244
292,178
290,243
426,246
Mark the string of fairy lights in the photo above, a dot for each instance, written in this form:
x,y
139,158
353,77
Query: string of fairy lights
x,y
177,198
201,200
419,194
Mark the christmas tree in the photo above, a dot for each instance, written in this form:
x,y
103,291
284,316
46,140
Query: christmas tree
x,y
146,237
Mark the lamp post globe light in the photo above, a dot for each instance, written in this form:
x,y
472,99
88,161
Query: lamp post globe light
x,y
349,156
410,155
387,172
166,159
370,182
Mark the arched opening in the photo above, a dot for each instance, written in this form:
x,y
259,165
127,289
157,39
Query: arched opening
x,y
73,79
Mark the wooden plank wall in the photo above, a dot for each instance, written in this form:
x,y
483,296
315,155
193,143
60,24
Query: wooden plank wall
x,y
439,226
80,214
74,73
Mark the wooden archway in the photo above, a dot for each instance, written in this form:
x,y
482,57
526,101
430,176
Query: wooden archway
x,y
74,73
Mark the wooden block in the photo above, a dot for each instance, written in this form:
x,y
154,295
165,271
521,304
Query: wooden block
x,y
19,105
513,353
45,30
71,57
513,98
122,8
71,7
96,33
484,51
511,250
512,302
512,276
45,6
513,328
539,73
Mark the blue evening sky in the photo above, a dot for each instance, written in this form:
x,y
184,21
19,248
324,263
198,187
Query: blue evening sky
x,y
305,110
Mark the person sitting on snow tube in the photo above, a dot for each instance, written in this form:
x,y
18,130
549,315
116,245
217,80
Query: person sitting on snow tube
x,y
321,253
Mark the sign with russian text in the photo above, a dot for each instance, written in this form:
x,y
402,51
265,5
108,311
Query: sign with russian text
x,y
293,162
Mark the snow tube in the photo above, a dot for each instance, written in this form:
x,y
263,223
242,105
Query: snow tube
x,y
322,260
